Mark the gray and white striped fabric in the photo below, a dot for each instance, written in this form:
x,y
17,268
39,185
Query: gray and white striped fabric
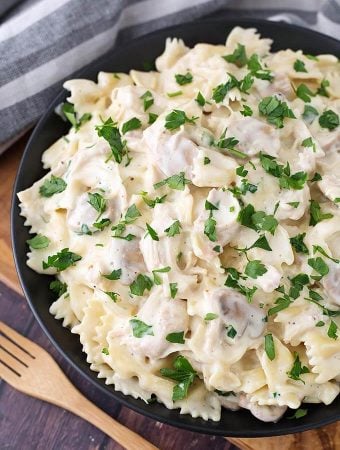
x,y
42,42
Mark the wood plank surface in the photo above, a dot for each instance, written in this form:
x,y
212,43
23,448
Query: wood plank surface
x,y
30,424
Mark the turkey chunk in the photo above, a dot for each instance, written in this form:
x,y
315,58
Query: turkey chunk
x,y
254,136
265,413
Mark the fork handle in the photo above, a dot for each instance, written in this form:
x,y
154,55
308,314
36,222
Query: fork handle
x,y
127,438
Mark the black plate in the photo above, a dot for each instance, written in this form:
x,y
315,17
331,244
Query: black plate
x,y
50,128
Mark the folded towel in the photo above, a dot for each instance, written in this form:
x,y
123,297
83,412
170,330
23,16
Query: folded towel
x,y
42,42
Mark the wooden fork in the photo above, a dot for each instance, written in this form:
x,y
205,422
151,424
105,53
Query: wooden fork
x,y
30,369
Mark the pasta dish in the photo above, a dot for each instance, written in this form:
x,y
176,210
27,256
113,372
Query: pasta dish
x,y
190,217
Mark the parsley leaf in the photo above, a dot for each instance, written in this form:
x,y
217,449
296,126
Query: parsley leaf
x,y
61,260
238,57
309,114
246,83
70,114
319,265
173,229
304,93
148,100
52,186
105,351
140,328
332,330
298,244
113,295
131,215
247,111
298,414
275,111
233,282
286,180
228,143
58,288
269,346
297,369
132,124
152,202
103,223
317,248
183,373
110,132
308,142
256,69
173,289
183,79
176,337
177,182
140,284
152,118
220,91
98,202
322,89
114,275
264,222
261,242
299,66
316,215
210,228
157,279
281,303
231,332
329,119
174,94
200,99
153,234
39,241
177,118
210,316
255,269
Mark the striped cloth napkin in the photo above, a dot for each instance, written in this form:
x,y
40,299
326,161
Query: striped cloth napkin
x,y
42,42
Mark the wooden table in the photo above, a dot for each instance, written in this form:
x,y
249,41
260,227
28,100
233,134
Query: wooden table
x,y
29,424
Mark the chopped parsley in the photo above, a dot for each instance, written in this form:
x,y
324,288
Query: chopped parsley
x,y
51,186
231,332
281,303
152,202
105,351
319,265
238,57
148,100
39,241
308,142
255,269
257,220
298,414
140,284
295,181
304,93
131,215
177,118
113,295
220,91
103,223
317,248
176,337
275,111
177,182
152,118
156,278
228,143
183,79
299,66
183,373
329,119
152,233
332,330
210,316
114,275
322,89
58,288
316,215
247,111
174,94
233,281
132,124
110,132
297,369
269,346
71,115
140,328
210,228
206,160
309,114
61,260
200,99
298,244
98,202
173,289
256,69
173,229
